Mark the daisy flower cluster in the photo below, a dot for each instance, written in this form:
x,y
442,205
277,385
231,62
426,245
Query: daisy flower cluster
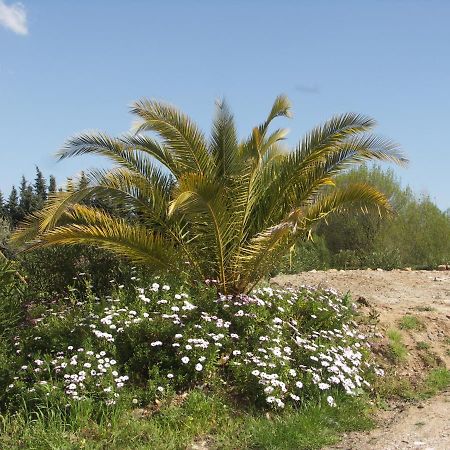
x,y
275,344
273,347
78,373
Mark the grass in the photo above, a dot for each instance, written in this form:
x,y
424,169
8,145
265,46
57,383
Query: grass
x,y
421,345
425,308
200,419
392,386
437,380
397,350
410,322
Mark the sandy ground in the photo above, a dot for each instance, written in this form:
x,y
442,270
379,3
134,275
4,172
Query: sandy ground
x,y
392,295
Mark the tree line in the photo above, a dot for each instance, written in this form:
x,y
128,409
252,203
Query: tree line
x,y
30,197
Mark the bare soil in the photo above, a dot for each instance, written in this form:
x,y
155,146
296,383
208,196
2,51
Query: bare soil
x,y
389,296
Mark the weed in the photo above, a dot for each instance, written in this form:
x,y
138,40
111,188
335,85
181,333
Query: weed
x,y
394,387
421,345
425,308
437,380
397,350
409,322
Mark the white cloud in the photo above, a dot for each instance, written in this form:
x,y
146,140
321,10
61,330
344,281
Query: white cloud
x,y
14,17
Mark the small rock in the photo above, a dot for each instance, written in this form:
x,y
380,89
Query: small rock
x,y
442,267
379,270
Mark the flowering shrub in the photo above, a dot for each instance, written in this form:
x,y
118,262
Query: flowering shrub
x,y
272,347
79,374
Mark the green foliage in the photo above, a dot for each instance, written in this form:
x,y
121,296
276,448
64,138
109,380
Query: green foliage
x,y
393,386
357,232
420,234
151,342
409,322
40,189
199,418
437,380
422,345
312,428
228,210
357,259
31,197
398,351
12,207
312,254
63,370
416,236
12,286
51,271
5,233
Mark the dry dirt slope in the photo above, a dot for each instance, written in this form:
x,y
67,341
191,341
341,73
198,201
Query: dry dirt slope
x,y
394,294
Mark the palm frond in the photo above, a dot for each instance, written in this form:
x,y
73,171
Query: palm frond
x,y
355,196
179,133
154,149
90,226
224,143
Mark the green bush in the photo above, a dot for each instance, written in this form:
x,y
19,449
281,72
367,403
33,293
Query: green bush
x,y
354,259
419,233
306,256
272,348
12,286
52,271
416,236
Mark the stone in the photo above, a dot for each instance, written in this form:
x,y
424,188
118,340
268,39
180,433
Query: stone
x,y
442,267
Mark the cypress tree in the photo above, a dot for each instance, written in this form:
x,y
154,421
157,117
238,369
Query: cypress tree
x,y
12,207
40,189
83,182
27,199
52,184
2,206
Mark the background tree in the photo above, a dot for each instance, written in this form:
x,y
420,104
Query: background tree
x,y
27,199
40,190
3,210
12,207
52,184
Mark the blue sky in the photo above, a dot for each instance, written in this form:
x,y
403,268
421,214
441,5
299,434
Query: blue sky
x,y
72,66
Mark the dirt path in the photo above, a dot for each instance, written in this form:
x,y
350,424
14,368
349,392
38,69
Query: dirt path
x,y
423,428
393,294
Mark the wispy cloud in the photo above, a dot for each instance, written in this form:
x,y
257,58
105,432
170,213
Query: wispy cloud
x,y
307,89
14,17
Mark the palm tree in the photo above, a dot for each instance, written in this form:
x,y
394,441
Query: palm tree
x,y
228,208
